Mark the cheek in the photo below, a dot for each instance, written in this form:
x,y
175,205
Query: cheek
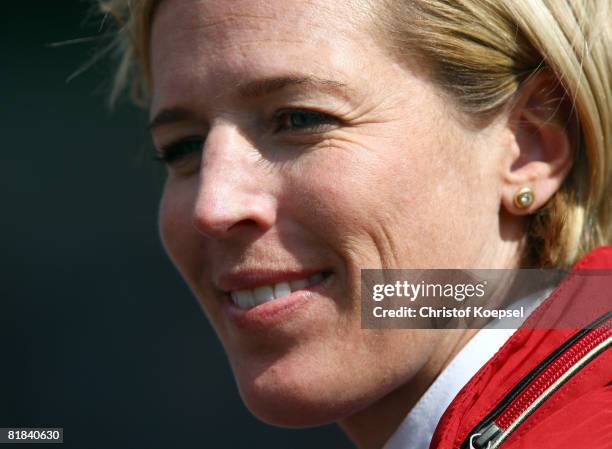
x,y
170,223
178,236
391,201
185,247
352,189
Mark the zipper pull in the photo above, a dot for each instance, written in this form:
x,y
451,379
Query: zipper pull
x,y
484,439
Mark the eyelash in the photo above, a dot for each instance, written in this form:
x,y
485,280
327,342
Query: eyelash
x,y
179,149
282,120
322,120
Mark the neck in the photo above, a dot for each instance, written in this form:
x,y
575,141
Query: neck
x,y
371,427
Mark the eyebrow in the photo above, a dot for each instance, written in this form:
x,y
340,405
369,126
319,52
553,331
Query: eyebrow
x,y
169,115
257,88
267,86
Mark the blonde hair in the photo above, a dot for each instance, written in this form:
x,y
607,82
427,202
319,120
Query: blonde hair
x,y
479,52
133,19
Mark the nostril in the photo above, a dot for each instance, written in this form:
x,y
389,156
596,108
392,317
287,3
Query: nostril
x,y
222,225
246,222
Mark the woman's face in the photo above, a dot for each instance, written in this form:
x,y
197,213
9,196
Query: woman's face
x,y
300,152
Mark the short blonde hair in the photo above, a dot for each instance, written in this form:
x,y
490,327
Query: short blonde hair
x,y
133,19
479,52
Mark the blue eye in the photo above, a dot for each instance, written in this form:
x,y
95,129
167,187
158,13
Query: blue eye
x,y
302,119
179,150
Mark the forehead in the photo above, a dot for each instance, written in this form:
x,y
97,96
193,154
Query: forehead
x,y
206,43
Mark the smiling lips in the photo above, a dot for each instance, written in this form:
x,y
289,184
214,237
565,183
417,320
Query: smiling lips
x,y
249,298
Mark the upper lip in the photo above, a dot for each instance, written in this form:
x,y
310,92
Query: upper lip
x,y
250,279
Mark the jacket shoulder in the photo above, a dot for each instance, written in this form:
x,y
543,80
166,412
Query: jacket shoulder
x,y
577,407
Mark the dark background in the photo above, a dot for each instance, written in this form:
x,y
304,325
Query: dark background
x,y
98,334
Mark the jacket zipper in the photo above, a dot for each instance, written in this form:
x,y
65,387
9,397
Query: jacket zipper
x,y
541,383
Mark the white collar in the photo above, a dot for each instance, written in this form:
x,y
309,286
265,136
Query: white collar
x,y
418,427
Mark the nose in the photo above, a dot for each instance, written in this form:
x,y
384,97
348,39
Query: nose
x,y
235,187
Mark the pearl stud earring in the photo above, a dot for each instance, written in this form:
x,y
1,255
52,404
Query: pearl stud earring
x,y
524,198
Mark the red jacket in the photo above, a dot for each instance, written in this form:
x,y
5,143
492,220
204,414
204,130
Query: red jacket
x,y
550,385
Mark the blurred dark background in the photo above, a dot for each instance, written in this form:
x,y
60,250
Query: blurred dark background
x,y
98,334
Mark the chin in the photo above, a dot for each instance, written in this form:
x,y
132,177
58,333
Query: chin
x,y
296,396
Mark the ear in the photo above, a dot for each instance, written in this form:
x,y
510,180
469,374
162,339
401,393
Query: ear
x,y
543,137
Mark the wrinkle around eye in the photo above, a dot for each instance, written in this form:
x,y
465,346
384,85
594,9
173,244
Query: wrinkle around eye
x,y
304,121
338,140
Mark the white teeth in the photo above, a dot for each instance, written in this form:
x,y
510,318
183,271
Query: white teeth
x,y
281,289
263,294
243,298
247,299
297,285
